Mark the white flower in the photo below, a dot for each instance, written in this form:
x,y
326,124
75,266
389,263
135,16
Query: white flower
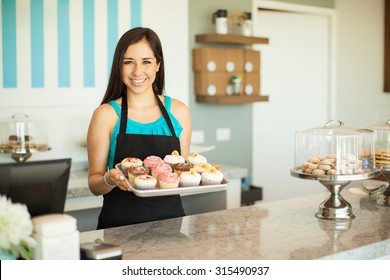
x,y
15,228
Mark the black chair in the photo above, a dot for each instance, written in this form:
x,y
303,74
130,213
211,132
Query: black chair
x,y
40,185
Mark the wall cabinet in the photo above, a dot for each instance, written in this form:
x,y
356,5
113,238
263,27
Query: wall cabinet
x,y
215,69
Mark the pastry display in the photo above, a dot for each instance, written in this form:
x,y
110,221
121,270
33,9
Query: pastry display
x,y
135,171
211,176
145,182
196,158
382,157
382,144
335,155
168,180
332,165
190,178
334,150
174,158
182,178
21,136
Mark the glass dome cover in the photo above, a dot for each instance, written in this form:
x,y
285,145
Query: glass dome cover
x,y
20,134
382,144
333,150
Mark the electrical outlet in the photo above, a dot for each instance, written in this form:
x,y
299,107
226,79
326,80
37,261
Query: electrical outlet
x,y
223,134
197,137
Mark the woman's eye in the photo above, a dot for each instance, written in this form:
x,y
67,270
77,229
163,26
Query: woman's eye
x,y
146,62
127,62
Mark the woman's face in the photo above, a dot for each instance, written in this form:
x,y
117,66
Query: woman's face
x,y
139,68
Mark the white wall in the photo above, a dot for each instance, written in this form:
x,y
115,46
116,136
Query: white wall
x,y
360,38
67,111
359,99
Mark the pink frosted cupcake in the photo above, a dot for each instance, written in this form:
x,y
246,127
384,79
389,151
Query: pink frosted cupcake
x,y
145,182
159,169
174,158
152,161
128,162
168,180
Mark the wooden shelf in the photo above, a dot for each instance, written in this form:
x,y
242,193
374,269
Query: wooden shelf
x,y
230,39
233,99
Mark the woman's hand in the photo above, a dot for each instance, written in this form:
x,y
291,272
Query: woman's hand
x,y
114,177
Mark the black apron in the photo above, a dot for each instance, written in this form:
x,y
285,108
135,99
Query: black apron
x,y
124,208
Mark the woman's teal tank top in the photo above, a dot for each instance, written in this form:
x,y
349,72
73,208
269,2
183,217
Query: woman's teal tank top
x,y
158,127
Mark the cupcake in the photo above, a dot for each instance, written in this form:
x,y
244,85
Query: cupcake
x,y
196,158
182,167
168,180
174,158
128,162
212,176
200,167
190,178
152,161
145,182
134,171
159,169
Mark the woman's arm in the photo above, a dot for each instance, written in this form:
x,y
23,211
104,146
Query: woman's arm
x,y
182,114
98,145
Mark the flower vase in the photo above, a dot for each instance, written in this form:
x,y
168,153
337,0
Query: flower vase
x,y
7,255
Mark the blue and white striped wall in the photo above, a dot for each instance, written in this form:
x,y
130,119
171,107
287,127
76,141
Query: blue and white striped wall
x,y
61,43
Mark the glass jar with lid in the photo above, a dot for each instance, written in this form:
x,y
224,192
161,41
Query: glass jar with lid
x,y
21,136
335,155
334,149
382,160
382,144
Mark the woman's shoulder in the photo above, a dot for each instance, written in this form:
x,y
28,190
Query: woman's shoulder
x,y
179,108
106,110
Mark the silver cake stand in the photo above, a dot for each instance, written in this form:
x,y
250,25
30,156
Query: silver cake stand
x,y
22,155
383,198
335,206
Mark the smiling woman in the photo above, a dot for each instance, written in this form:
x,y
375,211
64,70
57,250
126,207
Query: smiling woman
x,y
135,120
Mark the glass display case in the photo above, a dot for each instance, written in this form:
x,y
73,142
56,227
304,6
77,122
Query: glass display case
x,y
382,158
335,155
21,136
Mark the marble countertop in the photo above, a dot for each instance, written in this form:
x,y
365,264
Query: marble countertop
x,y
78,180
279,230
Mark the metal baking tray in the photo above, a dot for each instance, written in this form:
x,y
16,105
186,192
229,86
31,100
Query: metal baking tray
x,y
180,190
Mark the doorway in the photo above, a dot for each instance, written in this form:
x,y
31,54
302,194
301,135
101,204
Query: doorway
x,y
297,75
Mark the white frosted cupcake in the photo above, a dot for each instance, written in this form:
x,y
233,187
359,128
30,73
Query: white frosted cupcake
x,y
200,167
212,176
145,182
168,180
126,163
196,158
135,171
190,178
174,158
